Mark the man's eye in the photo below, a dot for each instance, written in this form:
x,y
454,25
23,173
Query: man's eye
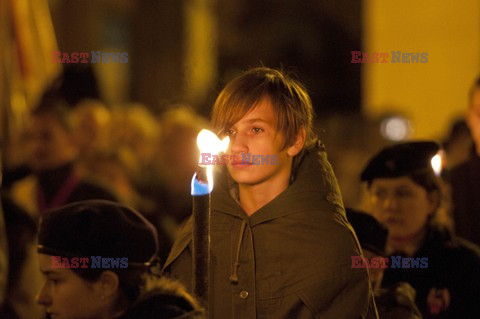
x,y
380,194
403,193
53,281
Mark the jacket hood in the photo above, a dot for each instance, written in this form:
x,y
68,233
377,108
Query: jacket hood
x,y
308,188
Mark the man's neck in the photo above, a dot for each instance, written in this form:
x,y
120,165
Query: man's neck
x,y
254,197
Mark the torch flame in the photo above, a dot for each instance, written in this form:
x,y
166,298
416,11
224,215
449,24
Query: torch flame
x,y
208,142
437,163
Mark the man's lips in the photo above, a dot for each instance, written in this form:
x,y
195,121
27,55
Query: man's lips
x,y
393,220
241,163
238,160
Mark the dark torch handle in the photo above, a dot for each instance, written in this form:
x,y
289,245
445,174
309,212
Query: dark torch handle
x,y
201,247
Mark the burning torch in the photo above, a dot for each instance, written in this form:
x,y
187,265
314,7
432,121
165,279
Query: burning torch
x,y
202,186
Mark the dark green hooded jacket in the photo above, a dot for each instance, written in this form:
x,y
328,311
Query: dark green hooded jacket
x,y
294,253
164,299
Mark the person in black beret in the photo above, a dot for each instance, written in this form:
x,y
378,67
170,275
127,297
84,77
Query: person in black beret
x,y
99,258
405,194
397,301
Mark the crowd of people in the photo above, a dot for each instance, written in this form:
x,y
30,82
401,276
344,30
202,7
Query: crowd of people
x,y
94,181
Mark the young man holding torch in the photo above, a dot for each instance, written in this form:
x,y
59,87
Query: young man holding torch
x,y
281,245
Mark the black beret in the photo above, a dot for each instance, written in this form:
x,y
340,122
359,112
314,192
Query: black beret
x,y
98,228
400,160
371,234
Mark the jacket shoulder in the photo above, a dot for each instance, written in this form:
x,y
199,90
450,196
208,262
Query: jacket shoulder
x,y
181,243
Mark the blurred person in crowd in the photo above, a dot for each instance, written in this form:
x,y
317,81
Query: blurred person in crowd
x,y
135,133
280,240
458,145
167,184
405,194
177,159
51,153
23,277
115,170
136,128
92,128
397,301
76,82
99,260
465,178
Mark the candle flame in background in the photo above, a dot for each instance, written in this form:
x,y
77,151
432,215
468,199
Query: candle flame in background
x,y
436,162
208,142
395,128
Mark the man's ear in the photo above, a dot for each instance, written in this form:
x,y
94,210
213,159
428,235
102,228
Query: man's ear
x,y
298,143
109,283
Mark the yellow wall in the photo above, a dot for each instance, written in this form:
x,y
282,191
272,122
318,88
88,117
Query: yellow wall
x,y
431,93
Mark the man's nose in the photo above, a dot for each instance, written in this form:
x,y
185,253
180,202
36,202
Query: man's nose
x,y
238,143
43,296
390,202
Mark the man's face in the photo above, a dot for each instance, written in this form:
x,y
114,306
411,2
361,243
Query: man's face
x,y
255,135
49,145
65,295
473,118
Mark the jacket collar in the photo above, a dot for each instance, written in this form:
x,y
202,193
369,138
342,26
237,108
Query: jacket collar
x,y
305,191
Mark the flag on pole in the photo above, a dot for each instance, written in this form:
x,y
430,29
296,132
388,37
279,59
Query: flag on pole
x,y
28,39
